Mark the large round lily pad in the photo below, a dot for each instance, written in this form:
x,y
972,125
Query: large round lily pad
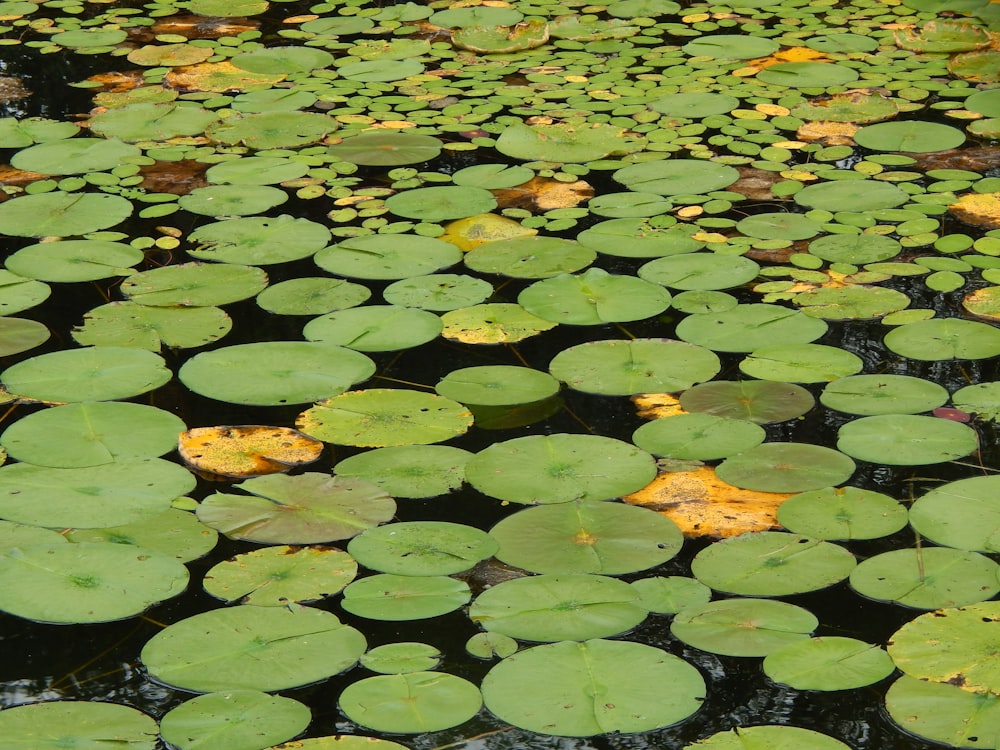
x,y
302,509
746,328
530,257
944,338
387,149
409,470
233,720
828,663
700,271
759,401
416,702
677,176
869,395
963,514
842,513
195,284
74,156
252,648
586,536
86,724
542,469
851,195
552,688
915,136
391,256
395,598
768,737
422,548
786,467
801,363
906,439
375,328
944,713
743,627
441,203
74,260
133,325
594,297
62,214
258,241
698,436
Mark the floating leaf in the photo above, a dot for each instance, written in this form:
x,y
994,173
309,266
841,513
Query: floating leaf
x,y
851,195
677,177
769,737
942,35
700,271
912,136
494,323
144,327
233,720
74,260
194,285
153,121
74,156
266,130
559,468
562,142
807,74
497,385
702,436
731,47
982,399
375,328
978,209
387,149
304,509
760,401
61,214
422,548
247,450
746,328
412,703
906,439
828,663
943,713
275,576
401,658
586,537
944,338
963,514
393,256
252,648
50,725
502,39
530,257
743,627
869,395
786,467
312,296
395,598
842,513
638,238
175,533
232,200
258,240
594,297
412,471
801,363
552,688
17,335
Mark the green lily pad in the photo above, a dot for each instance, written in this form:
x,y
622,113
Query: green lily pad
x,y
906,439
233,720
232,200
96,373
387,149
380,417
801,363
152,121
380,71
981,399
985,103
493,323
502,39
700,271
855,248
629,204
275,576
943,35
395,598
94,496
700,436
86,582
677,177
258,240
176,533
438,292
256,170
786,467
20,133
375,328
542,469
414,703
552,688
305,509
312,296
771,563
594,297
779,225
530,257
497,385
387,256
870,395
17,335
266,130
141,326
743,627
74,156
837,41
168,55
283,60
194,285
668,595
586,537
18,293
768,737
963,514
252,648
441,203
760,401
61,214
492,176
561,142
490,645
477,15
927,578
74,260
637,238
851,302
807,75
944,338
846,107
412,471
951,645
851,195
624,368
944,713
422,548
227,8
90,434
401,658
842,513
87,724
269,373
828,663
748,327
731,47
694,105
912,136
568,607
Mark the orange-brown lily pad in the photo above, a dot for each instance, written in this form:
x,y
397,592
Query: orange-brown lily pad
x,y
220,76
247,450
701,504
980,209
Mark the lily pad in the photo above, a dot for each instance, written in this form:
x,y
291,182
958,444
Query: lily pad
x,y
870,395
422,548
233,720
492,323
586,537
392,256
594,297
701,436
530,257
542,469
912,136
906,439
74,260
677,177
855,248
415,702
267,130
375,328
731,47
851,195
842,513
411,471
275,576
748,327
232,200
387,149
269,373
312,296
380,417
144,327
17,335
91,434
153,121
395,598
771,563
497,385
807,74
441,203
258,240
944,338
963,514
743,627
623,368
551,688
74,156
174,532
303,509
760,401
696,105
194,285
61,214
638,238
801,363
86,582
561,142
828,663
786,467
246,450
927,578
96,373
252,648
700,271
401,658
50,725
768,737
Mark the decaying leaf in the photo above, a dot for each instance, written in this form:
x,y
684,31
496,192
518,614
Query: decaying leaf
x,y
829,133
703,505
177,177
12,90
756,184
18,177
544,194
980,209
119,82
220,76
247,450
474,231
204,27
975,159
657,405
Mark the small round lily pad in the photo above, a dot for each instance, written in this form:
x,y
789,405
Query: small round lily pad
x,y
422,548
